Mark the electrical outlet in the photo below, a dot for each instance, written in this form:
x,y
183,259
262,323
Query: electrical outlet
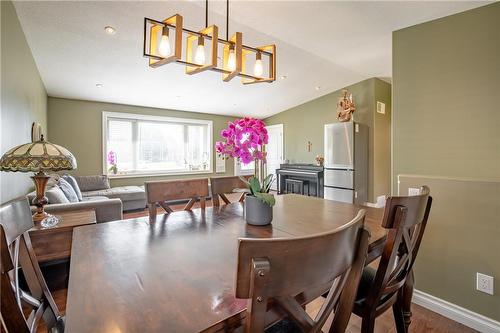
x,y
484,283
413,191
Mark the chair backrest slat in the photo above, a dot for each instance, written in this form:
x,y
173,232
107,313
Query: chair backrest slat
x,y
167,190
281,270
17,219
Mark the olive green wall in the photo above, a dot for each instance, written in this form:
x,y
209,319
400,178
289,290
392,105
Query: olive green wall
x,y
77,125
306,122
382,141
446,126
24,99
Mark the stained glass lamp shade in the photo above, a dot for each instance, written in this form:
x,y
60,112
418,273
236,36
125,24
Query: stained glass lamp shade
x,y
38,157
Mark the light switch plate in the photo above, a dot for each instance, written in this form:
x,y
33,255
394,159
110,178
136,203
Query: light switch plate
x,y
380,107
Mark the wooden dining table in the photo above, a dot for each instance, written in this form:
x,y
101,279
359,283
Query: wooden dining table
x,y
177,274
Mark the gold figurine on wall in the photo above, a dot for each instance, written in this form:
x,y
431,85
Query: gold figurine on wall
x,y
345,107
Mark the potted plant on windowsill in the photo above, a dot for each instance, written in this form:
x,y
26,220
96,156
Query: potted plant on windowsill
x,y
244,139
112,162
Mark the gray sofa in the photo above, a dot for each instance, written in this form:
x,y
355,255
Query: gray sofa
x,y
132,197
105,209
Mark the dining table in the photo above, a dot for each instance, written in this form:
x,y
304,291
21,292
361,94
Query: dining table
x,y
177,274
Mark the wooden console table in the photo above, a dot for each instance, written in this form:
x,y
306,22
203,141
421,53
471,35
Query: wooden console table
x,y
55,243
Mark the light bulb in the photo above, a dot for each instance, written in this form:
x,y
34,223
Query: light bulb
x,y
231,60
258,69
164,48
199,56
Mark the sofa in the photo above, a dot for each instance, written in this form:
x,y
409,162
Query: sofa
x,y
68,193
132,197
106,210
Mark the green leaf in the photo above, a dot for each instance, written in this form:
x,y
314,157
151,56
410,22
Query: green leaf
x,y
266,186
266,198
254,185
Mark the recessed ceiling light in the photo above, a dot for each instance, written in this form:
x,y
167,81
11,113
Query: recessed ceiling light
x,y
283,77
110,30
99,85
317,87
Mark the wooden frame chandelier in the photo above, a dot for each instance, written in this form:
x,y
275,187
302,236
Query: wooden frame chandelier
x,y
237,58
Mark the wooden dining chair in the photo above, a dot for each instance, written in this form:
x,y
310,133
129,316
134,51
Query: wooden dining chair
x,y
287,271
18,259
221,186
160,192
405,218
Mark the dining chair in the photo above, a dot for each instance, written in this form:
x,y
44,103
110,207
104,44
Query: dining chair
x,y
221,186
286,271
405,219
29,292
160,192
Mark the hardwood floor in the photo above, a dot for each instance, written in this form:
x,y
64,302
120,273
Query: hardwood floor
x,y
423,320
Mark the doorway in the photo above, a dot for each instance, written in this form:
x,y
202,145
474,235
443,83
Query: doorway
x,y
274,150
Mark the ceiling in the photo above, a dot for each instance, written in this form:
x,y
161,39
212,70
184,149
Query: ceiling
x,y
321,44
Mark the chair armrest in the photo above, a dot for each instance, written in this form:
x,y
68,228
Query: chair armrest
x,y
105,210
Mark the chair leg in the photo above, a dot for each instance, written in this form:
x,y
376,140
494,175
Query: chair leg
x,y
215,200
368,325
152,212
399,319
407,295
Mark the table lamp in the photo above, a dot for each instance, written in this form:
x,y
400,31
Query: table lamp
x,y
38,157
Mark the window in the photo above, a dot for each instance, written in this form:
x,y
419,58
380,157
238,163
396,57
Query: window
x,y
149,145
241,169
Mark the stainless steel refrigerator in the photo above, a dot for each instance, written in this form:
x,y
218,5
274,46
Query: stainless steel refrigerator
x,y
346,162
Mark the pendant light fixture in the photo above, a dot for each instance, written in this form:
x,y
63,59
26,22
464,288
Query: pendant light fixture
x,y
199,57
164,47
158,48
231,61
258,68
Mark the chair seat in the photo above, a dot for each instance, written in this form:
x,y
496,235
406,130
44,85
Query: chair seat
x,y
59,326
365,285
284,326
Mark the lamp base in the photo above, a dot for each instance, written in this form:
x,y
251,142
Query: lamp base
x,y
40,179
40,216
50,221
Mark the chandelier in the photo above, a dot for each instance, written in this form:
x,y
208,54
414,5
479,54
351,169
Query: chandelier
x,y
163,43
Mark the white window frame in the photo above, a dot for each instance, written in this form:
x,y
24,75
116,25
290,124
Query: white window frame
x,y
239,172
133,116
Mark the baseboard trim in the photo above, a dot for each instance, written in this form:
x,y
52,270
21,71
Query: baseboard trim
x,y
449,310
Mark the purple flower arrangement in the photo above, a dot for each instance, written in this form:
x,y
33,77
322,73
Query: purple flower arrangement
x,y
243,139
112,161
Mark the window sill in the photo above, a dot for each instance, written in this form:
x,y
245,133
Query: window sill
x,y
159,174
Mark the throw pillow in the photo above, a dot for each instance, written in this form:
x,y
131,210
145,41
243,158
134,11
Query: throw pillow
x,y
92,183
56,195
68,190
72,181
